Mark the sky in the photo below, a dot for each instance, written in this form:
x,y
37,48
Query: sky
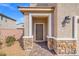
x,y
11,10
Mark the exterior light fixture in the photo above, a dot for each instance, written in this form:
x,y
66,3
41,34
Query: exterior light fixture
x,y
78,21
66,20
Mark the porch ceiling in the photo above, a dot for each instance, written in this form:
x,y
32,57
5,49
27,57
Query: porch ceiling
x,y
36,9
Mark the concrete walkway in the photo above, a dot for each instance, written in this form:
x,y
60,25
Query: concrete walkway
x,y
40,49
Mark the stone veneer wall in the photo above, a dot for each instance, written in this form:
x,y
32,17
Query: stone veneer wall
x,y
63,47
28,44
51,43
66,47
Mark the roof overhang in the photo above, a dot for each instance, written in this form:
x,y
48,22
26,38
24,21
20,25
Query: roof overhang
x,y
36,9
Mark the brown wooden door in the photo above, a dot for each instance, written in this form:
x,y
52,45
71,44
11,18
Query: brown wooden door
x,y
39,32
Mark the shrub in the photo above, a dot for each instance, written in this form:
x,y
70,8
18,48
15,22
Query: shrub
x,y
1,44
10,40
2,54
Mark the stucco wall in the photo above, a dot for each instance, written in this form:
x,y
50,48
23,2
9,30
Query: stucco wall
x,y
42,4
62,11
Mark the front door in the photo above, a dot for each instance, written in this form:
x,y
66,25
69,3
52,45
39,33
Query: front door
x,y
39,34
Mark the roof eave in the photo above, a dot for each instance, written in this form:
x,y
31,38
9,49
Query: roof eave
x,y
36,9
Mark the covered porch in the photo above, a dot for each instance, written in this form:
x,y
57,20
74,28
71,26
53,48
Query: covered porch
x,y
38,25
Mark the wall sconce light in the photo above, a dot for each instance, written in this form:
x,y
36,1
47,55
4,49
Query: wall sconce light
x,y
78,21
66,20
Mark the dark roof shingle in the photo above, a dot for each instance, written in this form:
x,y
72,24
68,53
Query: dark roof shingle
x,y
7,17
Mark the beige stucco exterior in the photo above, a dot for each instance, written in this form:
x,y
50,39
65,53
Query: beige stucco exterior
x,y
57,36
62,11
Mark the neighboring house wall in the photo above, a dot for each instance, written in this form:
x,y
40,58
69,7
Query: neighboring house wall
x,y
6,22
20,25
8,27
10,22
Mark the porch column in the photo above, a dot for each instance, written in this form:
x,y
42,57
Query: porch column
x,y
49,37
75,27
30,25
28,38
49,26
26,24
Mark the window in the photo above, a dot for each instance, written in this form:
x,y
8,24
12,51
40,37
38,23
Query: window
x,y
1,18
5,20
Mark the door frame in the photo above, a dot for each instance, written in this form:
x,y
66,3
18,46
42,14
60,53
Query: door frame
x,y
35,32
